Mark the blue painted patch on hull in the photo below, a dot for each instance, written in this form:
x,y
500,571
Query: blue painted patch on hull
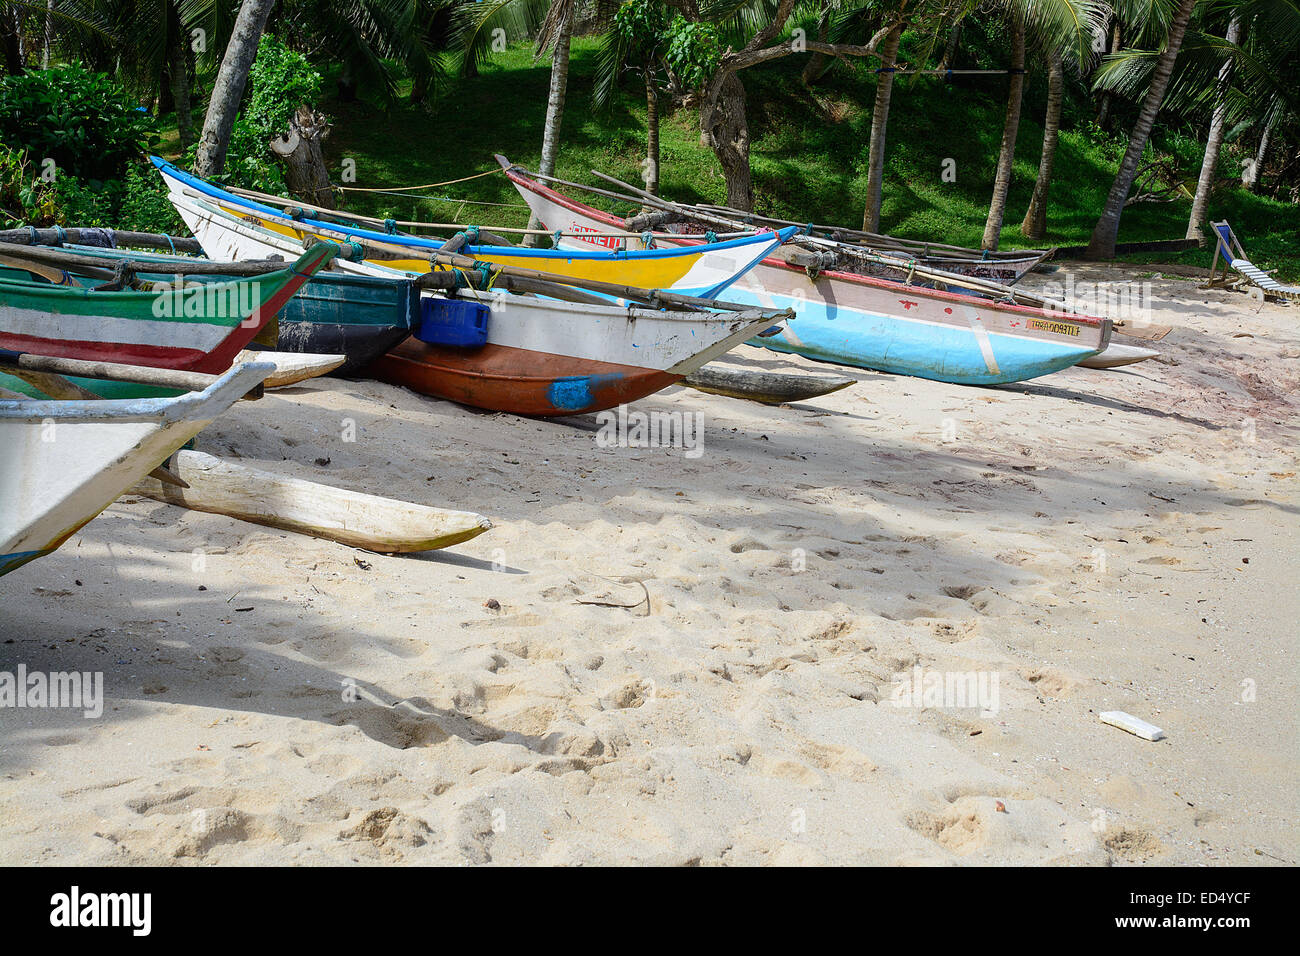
x,y
9,562
862,339
573,393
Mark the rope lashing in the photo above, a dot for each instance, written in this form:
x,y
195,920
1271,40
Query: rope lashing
x,y
648,239
710,236
390,226
555,239
58,231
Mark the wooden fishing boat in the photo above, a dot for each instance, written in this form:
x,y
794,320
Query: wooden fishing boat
x,y
348,517
538,356
66,461
702,269
767,388
876,323
191,327
696,219
1116,355
335,313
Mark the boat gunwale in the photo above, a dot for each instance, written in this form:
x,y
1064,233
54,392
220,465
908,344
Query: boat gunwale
x,y
420,242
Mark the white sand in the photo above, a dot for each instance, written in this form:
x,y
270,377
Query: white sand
x,y
1084,538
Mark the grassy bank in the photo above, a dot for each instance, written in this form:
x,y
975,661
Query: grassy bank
x,y
809,157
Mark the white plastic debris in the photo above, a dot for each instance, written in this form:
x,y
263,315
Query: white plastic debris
x,y
1134,725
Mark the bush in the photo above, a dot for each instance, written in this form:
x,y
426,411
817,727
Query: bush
x,y
84,121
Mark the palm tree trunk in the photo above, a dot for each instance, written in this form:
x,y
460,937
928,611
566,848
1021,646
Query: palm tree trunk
x,y
1035,223
950,47
229,87
179,68
1107,98
879,122
1251,179
818,63
11,40
1007,154
1218,126
651,132
1106,232
49,34
554,109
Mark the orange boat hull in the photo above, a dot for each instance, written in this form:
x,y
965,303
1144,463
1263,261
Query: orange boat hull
x,y
521,381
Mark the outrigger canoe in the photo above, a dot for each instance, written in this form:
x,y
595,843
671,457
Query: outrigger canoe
x,y
537,356
197,328
66,461
702,269
359,317
875,323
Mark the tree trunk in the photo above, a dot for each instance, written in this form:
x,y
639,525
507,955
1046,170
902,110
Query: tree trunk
x,y
725,130
1035,224
1007,154
879,123
818,63
179,68
651,132
307,175
1251,179
554,110
950,48
229,87
1213,143
1106,232
11,41
1107,98
49,34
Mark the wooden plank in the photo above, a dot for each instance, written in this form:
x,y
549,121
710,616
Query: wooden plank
x,y
359,520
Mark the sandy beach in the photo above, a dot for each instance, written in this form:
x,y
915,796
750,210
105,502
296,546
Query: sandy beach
x,y
657,657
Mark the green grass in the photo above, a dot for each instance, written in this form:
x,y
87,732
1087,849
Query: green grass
x,y
809,157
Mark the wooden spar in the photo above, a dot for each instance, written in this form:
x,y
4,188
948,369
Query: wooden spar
x,y
654,297
767,388
55,237
94,265
359,520
358,218
910,267
448,281
708,213
17,362
659,298
50,273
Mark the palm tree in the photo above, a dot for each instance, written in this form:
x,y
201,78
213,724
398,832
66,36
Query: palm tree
x,y
1010,127
879,119
635,43
1060,28
477,26
1218,126
1106,233
1034,225
229,87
